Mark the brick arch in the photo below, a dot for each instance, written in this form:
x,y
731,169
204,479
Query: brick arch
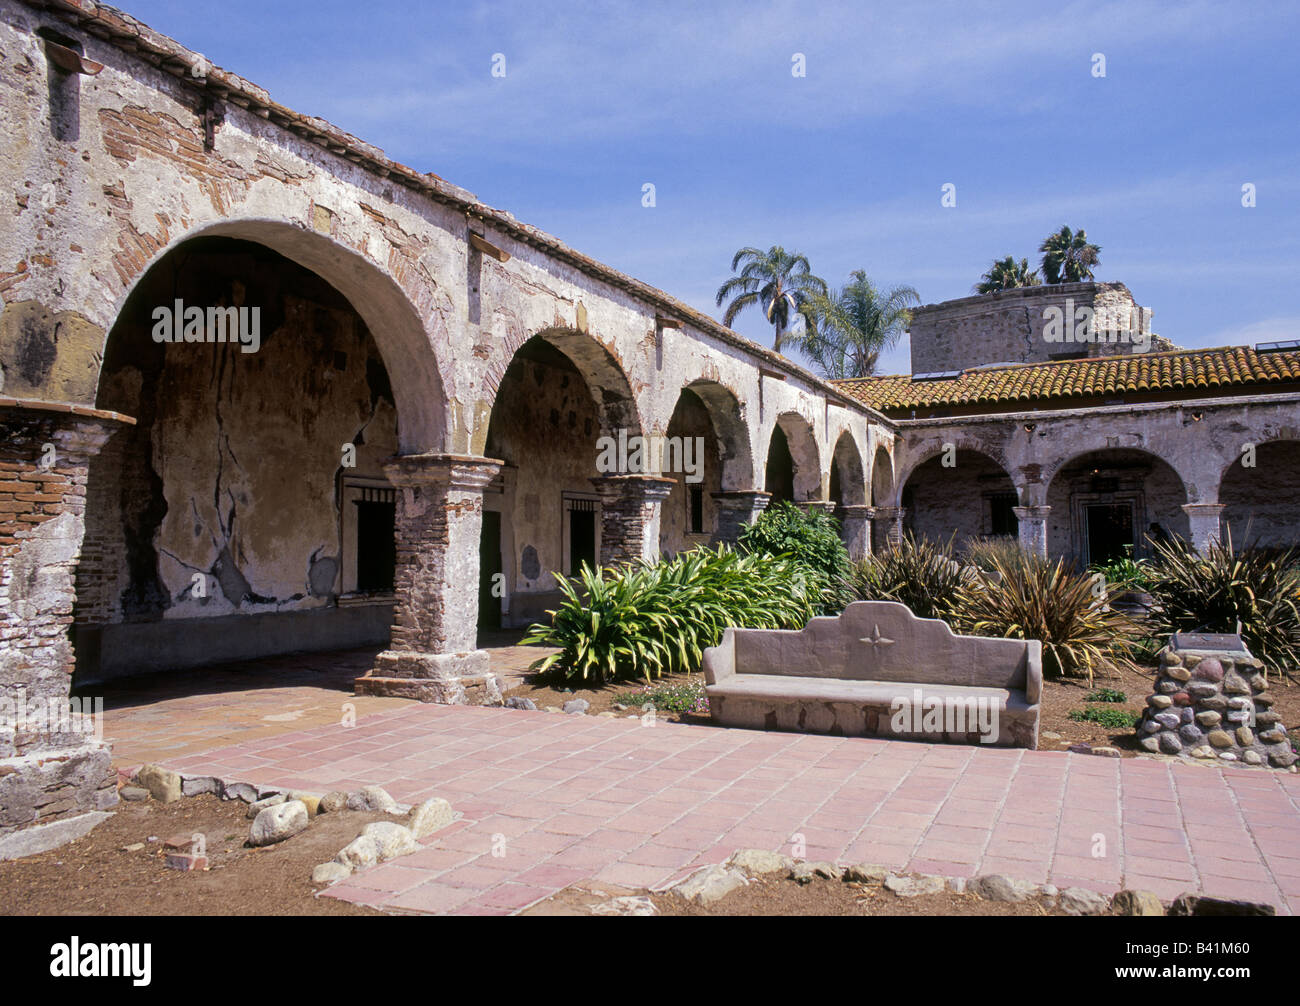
x,y
852,472
605,377
392,317
727,415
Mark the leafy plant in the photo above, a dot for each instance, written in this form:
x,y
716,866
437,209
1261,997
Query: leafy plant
x,y
916,572
1255,592
1112,719
1125,571
1007,274
776,281
1068,256
1027,597
846,333
1105,695
650,619
812,539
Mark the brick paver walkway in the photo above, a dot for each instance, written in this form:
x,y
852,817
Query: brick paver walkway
x,y
549,800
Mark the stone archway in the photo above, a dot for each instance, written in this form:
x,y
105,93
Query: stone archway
x,y
576,479
1108,503
1260,496
247,512
793,470
960,494
848,480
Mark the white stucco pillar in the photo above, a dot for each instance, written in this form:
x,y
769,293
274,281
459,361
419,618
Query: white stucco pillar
x,y
1204,520
1033,528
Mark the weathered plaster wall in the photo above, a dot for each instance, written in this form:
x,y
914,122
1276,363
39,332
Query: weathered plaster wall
x,y
233,472
1008,327
956,502
1263,501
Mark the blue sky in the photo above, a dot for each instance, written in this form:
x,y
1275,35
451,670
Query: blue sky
x,y
846,164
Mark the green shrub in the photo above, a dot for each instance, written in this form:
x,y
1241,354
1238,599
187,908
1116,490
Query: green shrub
x,y
918,573
1032,598
1105,695
650,619
1255,592
1112,719
812,539
1126,572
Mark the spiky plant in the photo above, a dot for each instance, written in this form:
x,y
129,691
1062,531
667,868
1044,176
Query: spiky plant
x,y
922,574
1255,592
1028,597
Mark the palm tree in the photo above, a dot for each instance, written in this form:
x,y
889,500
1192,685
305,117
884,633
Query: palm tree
x,y
847,333
1007,274
1068,257
777,281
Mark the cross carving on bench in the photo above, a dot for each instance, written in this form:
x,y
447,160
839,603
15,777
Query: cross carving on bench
x,y
876,640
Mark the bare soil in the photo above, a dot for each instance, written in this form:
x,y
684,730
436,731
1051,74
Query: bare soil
x,y
98,875
774,896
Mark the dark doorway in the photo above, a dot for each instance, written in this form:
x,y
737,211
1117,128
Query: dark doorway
x,y
1110,531
376,545
779,477
582,534
489,573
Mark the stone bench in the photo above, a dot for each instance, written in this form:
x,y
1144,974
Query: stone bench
x,y
877,670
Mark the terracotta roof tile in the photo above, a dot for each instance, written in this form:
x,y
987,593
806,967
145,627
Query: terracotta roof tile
x,y
1198,370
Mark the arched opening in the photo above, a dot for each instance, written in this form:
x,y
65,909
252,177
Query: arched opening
x,y
848,482
695,453
962,494
563,415
1260,492
882,495
793,470
1106,504
247,513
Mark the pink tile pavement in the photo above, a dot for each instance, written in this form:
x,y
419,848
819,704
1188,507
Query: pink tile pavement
x,y
547,800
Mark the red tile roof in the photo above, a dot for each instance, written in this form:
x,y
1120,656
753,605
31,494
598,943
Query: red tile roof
x,y
1228,370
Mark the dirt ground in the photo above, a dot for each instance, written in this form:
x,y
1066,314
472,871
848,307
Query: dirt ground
x,y
98,875
1056,730
772,896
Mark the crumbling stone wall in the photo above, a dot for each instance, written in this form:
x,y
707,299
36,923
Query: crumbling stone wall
x,y
1009,326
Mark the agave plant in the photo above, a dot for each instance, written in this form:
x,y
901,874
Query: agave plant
x,y
1254,592
1024,596
650,619
919,573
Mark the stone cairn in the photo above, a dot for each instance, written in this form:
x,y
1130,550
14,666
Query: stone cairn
x,y
1211,702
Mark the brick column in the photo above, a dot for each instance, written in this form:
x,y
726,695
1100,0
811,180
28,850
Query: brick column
x,y
56,775
629,516
432,655
734,508
855,529
891,518
1033,528
1204,521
